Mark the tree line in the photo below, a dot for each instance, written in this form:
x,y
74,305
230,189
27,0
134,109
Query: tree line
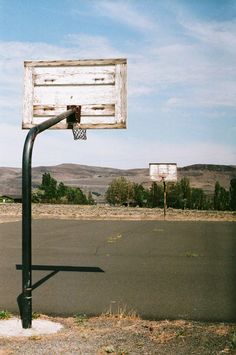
x,y
180,195
50,191
121,191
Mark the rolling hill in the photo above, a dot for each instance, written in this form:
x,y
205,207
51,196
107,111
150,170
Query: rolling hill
x,y
97,179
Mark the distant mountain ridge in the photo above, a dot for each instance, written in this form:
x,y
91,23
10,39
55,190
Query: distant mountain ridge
x,y
96,179
210,167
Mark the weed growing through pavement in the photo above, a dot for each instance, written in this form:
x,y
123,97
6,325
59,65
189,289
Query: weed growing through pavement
x,y
121,312
35,338
35,315
109,349
191,254
233,342
80,318
114,238
5,314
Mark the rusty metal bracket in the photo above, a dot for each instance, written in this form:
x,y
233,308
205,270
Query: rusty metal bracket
x,y
71,120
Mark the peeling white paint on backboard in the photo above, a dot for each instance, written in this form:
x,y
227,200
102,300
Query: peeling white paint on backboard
x,y
163,172
98,86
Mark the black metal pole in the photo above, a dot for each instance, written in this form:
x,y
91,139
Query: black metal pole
x,y
26,306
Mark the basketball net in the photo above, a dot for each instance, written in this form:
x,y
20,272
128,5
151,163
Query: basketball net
x,y
163,176
79,133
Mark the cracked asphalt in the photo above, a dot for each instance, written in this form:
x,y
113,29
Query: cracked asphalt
x,y
159,269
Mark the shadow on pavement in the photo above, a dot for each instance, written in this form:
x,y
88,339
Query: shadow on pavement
x,y
55,269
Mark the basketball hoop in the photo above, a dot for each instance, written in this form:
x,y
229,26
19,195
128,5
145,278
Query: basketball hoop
x,y
79,133
68,94
163,176
74,122
163,172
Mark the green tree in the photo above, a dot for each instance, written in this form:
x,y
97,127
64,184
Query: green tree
x,y
76,196
90,199
156,196
221,198
61,191
37,196
51,192
217,196
232,193
225,199
174,195
49,187
119,192
209,203
198,199
140,195
185,193
179,194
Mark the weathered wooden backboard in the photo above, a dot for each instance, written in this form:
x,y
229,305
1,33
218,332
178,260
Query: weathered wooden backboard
x,y
163,172
98,86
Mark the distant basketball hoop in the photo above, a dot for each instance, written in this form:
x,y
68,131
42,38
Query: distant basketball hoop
x,y
163,172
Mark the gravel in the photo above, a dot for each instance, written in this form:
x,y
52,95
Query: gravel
x,y
124,335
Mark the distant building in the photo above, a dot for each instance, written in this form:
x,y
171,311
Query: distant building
x,y
11,199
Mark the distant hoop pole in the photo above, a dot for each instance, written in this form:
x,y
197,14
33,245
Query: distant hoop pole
x,y
163,172
26,296
164,184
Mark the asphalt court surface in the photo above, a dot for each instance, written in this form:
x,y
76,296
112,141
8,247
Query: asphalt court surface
x,y
160,269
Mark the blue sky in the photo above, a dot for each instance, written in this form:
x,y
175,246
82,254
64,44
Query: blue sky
x,y
181,78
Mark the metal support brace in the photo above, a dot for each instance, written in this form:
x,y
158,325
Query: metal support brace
x,y
26,299
75,119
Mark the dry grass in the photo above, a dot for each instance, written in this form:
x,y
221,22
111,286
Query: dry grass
x,y
120,312
12,212
125,333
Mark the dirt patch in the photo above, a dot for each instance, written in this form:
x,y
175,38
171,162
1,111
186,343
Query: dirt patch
x,y
125,335
12,212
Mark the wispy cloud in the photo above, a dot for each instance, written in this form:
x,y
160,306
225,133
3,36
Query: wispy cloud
x,y
129,15
221,34
93,46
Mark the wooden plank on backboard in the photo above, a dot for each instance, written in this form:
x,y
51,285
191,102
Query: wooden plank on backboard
x,y
82,95
67,63
121,93
85,120
74,76
86,110
28,96
63,124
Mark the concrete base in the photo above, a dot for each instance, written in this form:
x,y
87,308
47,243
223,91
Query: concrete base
x,y
13,328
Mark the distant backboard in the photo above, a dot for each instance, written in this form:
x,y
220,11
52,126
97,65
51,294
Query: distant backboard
x,y
163,172
98,86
